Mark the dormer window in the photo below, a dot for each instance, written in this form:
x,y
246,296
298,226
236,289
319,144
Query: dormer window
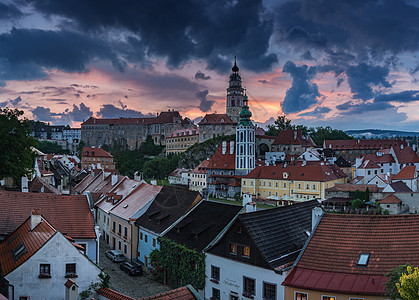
x,y
363,259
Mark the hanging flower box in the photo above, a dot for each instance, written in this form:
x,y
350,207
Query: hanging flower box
x,y
248,295
71,275
44,275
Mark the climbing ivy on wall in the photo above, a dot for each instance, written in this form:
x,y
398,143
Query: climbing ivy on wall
x,y
183,266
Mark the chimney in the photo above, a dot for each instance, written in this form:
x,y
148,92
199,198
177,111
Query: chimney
x,y
35,217
114,179
231,147
295,134
24,184
401,146
316,214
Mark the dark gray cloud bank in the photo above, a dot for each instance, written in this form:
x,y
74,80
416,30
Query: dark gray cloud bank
x,y
360,41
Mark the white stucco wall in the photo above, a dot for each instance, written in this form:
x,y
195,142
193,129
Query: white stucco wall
x,y
57,252
231,278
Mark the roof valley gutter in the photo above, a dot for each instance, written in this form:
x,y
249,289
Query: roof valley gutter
x,y
181,218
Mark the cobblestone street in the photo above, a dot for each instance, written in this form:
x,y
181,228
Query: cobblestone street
x,y
134,286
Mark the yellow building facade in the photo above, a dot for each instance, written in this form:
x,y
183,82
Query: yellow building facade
x,y
296,182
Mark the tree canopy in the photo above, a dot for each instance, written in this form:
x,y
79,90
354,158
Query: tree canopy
x,y
409,284
51,147
318,134
394,278
16,155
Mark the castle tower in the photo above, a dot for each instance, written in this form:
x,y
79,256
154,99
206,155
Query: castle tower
x,y
234,94
245,141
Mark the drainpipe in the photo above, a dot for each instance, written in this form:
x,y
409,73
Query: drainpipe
x,y
97,230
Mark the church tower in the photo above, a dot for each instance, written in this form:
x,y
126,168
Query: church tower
x,y
245,141
234,94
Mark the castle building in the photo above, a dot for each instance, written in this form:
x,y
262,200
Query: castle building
x,y
245,141
213,125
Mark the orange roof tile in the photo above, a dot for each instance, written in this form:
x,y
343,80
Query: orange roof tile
x,y
408,172
32,240
182,293
405,155
113,295
69,214
330,260
95,152
297,172
390,199
368,164
223,161
216,119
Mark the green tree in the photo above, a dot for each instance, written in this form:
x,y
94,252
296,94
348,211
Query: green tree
x,y
281,123
393,278
409,284
16,155
357,203
49,147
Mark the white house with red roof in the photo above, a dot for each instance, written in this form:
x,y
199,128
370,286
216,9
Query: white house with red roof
x,y
409,176
37,260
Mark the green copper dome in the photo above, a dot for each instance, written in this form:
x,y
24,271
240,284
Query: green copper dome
x,y
245,113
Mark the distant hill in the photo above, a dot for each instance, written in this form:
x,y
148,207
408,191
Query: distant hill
x,y
380,134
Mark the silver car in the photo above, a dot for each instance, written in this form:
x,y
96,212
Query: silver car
x,y
115,255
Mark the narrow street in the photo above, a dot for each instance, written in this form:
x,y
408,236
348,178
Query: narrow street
x,y
134,286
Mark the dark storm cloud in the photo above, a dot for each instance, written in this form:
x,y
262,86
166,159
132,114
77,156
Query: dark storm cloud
x,y
9,11
317,112
200,75
302,94
348,108
403,97
111,111
11,102
178,30
76,114
205,104
362,77
64,50
376,27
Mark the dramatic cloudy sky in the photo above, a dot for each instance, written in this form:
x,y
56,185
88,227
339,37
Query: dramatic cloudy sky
x,y
349,64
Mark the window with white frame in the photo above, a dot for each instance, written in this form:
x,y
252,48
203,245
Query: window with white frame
x,y
300,296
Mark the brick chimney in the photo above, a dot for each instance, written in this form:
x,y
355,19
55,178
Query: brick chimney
x,y
35,217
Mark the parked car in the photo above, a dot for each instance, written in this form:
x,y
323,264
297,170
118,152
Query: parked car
x,y
131,268
115,255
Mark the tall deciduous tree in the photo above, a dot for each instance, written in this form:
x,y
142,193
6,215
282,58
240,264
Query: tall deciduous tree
x,y
16,156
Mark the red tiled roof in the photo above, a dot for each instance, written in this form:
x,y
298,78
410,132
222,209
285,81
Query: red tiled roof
x,y
38,186
368,164
408,172
184,132
405,155
384,158
202,167
292,137
68,214
336,282
390,199
69,283
113,295
33,240
216,119
361,144
178,172
182,293
223,161
338,241
95,152
297,172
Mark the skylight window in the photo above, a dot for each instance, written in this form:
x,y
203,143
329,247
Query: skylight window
x,y
19,251
363,259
